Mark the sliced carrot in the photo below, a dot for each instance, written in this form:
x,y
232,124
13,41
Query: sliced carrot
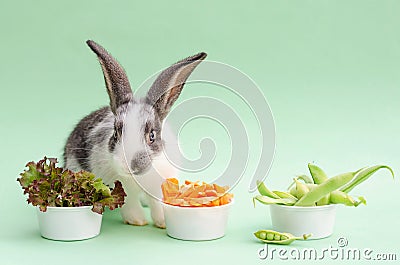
x,y
173,180
226,198
211,193
216,202
194,194
218,188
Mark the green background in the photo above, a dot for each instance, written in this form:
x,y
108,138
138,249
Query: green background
x,y
329,69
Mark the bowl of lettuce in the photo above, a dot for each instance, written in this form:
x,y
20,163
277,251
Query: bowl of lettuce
x,y
69,204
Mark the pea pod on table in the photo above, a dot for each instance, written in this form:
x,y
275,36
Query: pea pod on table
x,y
274,237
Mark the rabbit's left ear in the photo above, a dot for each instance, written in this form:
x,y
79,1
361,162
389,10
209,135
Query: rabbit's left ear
x,y
169,84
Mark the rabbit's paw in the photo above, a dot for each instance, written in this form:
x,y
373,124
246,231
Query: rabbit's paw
x,y
135,221
132,218
157,213
160,223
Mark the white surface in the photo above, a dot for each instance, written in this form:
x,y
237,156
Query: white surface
x,y
316,220
196,223
69,223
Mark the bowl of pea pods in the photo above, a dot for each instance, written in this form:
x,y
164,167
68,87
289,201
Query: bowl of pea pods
x,y
308,206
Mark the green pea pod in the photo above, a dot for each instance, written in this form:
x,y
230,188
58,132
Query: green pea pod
x,y
283,194
325,188
268,200
274,237
324,200
340,197
304,178
363,175
301,189
311,186
263,190
293,191
317,173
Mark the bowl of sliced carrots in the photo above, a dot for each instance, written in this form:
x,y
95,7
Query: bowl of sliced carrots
x,y
195,210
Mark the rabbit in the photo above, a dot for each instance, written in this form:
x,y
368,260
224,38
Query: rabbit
x,y
124,138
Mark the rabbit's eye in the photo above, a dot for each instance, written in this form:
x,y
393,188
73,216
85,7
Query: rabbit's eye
x,y
151,137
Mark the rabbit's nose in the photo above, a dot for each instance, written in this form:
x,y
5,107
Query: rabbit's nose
x,y
140,162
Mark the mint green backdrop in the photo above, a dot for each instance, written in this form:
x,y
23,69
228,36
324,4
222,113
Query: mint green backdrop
x,y
329,69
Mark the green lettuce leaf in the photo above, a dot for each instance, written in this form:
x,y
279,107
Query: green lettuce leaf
x,y
48,185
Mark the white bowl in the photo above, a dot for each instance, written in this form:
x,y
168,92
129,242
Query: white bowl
x,y
196,223
69,223
316,220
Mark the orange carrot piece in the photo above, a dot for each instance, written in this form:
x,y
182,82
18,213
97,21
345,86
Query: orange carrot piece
x,y
218,188
194,194
173,180
211,193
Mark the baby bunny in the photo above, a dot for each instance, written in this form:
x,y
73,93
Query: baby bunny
x,y
124,138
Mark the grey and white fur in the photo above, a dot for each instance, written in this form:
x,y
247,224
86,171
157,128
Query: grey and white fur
x,y
125,137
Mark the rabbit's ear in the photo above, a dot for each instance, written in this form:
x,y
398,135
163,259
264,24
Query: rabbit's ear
x,y
168,85
117,83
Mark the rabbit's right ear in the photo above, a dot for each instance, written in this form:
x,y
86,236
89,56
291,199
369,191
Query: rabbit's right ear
x,y
117,83
169,84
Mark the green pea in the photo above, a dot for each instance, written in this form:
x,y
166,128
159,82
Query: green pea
x,y
263,235
270,236
274,237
